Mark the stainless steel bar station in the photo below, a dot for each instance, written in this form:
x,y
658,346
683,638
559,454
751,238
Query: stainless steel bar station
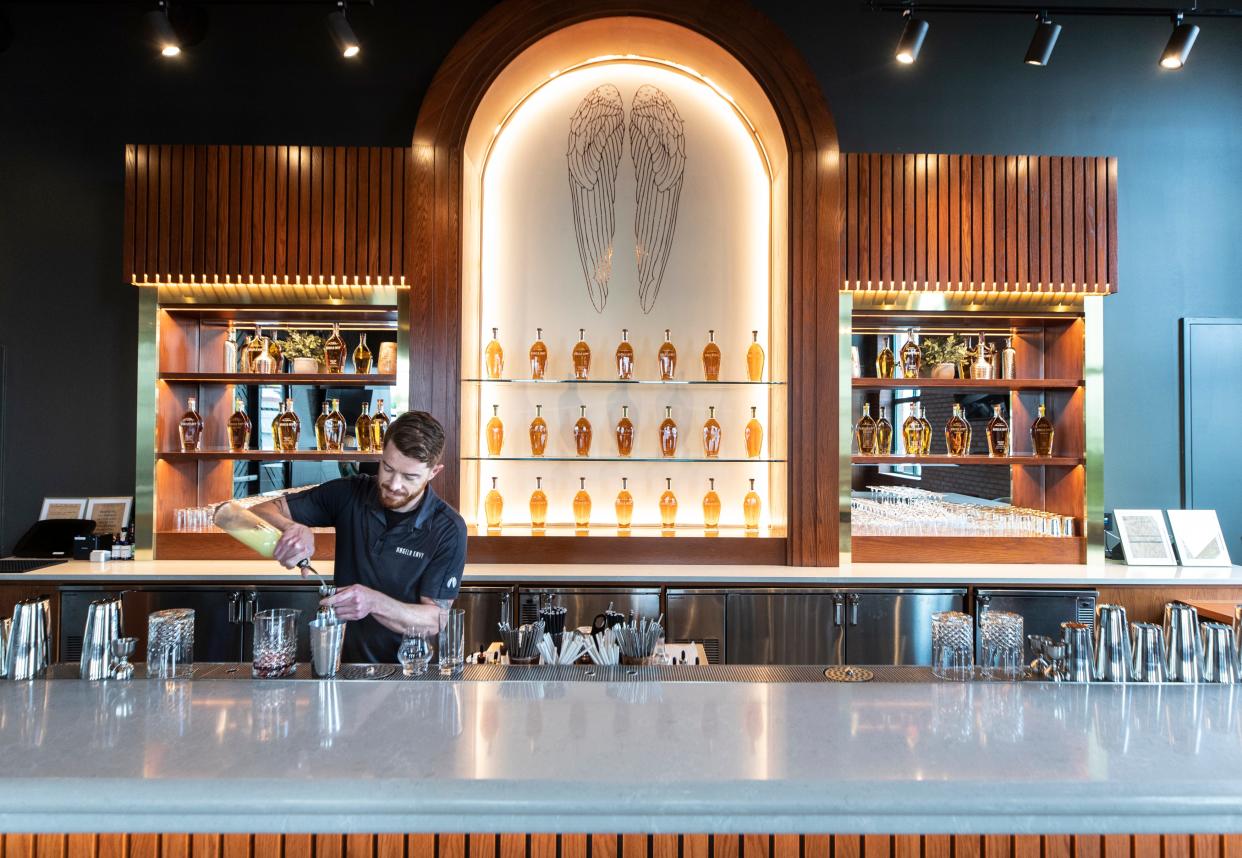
x,y
620,429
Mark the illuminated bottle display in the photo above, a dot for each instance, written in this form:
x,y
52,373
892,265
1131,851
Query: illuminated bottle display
x,y
711,434
864,432
582,505
334,429
334,350
925,448
957,433
625,433
754,435
884,362
379,426
582,433
362,355
711,506
538,506
582,357
538,355
711,358
912,433
911,356
190,427
754,359
667,358
239,427
1042,433
494,356
495,432
362,429
668,434
751,508
998,433
668,505
883,435
625,357
624,506
286,429
493,507
538,433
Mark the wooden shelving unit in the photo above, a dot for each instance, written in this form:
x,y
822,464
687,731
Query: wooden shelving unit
x,y
967,384
1027,460
267,456
290,379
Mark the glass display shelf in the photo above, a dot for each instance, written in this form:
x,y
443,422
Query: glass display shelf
x,y
654,381
659,459
317,379
941,459
681,531
990,384
269,456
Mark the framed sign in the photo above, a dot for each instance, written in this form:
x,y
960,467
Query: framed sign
x,y
1198,537
111,515
63,508
1144,537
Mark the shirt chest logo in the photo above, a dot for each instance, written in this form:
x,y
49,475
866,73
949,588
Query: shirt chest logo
x,y
410,552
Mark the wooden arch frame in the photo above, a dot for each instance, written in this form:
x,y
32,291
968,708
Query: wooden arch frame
x,y
435,266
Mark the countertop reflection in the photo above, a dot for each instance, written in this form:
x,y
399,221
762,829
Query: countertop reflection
x,y
577,756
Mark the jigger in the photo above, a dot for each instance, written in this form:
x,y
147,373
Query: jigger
x,y
29,644
1149,658
1079,661
1219,658
103,626
1182,644
1112,644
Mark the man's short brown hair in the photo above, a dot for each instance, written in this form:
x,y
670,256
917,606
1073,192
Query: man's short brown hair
x,y
418,435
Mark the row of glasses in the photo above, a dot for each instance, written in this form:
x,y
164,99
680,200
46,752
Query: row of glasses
x,y
906,511
415,650
194,518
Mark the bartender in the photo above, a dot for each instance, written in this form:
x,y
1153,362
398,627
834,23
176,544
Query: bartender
x,y
400,549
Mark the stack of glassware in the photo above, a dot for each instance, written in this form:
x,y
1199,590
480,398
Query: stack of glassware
x,y
905,511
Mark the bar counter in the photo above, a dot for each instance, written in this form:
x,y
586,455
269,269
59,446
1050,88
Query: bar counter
x,y
635,756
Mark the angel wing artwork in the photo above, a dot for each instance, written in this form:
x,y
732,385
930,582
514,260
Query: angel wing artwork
x,y
596,132
658,148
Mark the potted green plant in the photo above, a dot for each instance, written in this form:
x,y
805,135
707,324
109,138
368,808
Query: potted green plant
x,y
941,355
305,350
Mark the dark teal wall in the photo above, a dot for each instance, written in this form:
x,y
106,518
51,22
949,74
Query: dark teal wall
x,y
77,84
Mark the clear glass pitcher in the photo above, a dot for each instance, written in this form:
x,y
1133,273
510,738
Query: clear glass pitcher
x,y
275,643
246,527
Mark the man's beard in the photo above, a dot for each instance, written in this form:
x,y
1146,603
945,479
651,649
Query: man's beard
x,y
391,501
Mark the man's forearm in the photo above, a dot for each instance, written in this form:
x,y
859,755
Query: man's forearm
x,y
399,616
274,512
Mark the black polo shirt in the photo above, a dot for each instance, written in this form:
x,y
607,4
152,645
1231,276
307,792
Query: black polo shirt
x,y
420,555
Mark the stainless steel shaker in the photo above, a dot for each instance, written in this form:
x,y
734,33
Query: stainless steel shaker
x,y
104,624
29,640
1149,660
1112,644
1220,663
6,626
326,639
1079,664
1182,643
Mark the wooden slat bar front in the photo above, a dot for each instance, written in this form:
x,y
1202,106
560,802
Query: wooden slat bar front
x,y
979,223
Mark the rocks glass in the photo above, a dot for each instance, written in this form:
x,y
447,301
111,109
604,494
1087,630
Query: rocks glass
x,y
170,643
1001,638
953,646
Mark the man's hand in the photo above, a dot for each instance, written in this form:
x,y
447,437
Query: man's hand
x,y
296,543
354,602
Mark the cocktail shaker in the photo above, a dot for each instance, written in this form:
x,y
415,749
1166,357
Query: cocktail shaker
x,y
29,641
1112,644
1182,644
1080,664
6,626
1219,657
1149,660
103,626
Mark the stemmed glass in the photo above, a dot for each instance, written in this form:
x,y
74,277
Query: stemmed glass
x,y
414,653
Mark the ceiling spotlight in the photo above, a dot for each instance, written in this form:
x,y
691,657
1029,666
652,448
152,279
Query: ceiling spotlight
x,y
1180,42
162,32
342,33
1042,42
911,41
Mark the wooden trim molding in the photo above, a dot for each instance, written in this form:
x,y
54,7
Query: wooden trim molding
x,y
692,31
979,223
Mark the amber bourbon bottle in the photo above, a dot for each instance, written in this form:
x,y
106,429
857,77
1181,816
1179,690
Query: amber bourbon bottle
x,y
925,448
334,429
754,359
624,506
625,357
582,505
538,433
754,435
538,506
190,427
239,427
711,358
957,433
379,426
911,356
494,356
625,433
751,507
495,433
711,434
362,355
1042,433
883,435
912,432
998,433
582,357
711,506
582,433
668,506
493,506
667,358
286,428
668,434
334,350
538,355
865,432
884,362
362,429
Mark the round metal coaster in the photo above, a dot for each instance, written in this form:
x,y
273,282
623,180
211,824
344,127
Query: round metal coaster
x,y
367,671
845,673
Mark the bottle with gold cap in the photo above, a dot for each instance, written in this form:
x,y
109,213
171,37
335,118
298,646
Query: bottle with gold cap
x,y
754,359
711,434
668,506
912,432
711,506
538,506
362,429
624,506
495,432
538,433
668,434
1042,433
957,433
362,355
582,433
494,356
625,357
926,439
998,433
582,357
625,433
751,507
286,428
334,428
190,427
334,350
666,357
321,424
582,505
864,432
379,426
493,506
754,435
884,362
239,427
711,358
883,435
538,355
911,356
276,351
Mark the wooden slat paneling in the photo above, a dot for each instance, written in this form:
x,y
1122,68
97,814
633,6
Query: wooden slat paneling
x,y
264,212
1013,223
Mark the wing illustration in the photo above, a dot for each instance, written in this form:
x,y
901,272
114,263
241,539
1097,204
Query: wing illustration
x,y
658,147
595,136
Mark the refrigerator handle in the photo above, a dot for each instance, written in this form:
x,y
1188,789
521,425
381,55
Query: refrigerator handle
x,y
235,608
854,599
982,600
838,609
252,605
